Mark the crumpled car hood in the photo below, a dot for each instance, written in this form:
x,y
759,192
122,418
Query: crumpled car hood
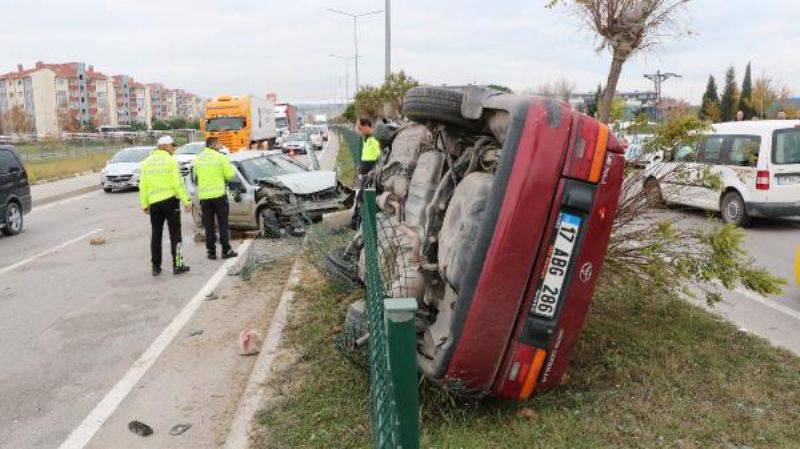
x,y
309,182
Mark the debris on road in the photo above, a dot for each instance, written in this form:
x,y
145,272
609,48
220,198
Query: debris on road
x,y
179,429
249,342
140,428
97,241
196,333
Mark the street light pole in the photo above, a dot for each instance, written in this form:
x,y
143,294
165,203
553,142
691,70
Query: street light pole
x,y
388,39
346,72
355,33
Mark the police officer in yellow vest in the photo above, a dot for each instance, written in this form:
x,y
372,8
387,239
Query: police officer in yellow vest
x,y
212,170
370,153
161,191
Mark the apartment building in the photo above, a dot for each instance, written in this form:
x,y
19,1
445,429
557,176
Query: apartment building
x,y
60,97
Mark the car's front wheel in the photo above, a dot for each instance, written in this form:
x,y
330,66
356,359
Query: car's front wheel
x,y
269,225
733,209
107,189
13,219
652,190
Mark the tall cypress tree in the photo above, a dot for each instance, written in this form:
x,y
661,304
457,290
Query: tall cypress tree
x,y
746,98
729,106
709,109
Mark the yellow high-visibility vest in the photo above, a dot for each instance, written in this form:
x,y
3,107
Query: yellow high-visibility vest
x,y
161,179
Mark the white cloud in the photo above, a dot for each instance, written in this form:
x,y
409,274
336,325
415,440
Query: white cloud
x,y
248,46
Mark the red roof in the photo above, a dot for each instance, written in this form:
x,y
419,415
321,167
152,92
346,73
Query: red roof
x,y
65,70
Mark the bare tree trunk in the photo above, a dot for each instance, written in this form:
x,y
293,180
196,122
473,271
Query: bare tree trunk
x,y
604,108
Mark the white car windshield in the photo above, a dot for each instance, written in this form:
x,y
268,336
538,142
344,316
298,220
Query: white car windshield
x,y
131,155
268,166
298,137
191,148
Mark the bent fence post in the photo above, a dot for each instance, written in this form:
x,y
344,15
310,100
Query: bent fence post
x,y
392,350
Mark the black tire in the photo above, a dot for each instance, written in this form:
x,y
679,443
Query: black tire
x,y
384,133
652,189
107,189
341,269
269,225
437,104
733,209
13,219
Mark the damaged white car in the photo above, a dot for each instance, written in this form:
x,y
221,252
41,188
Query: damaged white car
x,y
275,194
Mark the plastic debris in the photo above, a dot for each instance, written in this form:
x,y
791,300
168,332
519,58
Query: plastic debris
x,y
179,429
249,342
97,241
140,428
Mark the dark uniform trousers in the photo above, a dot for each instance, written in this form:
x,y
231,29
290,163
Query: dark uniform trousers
x,y
216,208
168,210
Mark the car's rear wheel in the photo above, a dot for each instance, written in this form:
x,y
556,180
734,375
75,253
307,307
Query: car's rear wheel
x,y
13,219
733,209
652,190
268,223
197,216
437,104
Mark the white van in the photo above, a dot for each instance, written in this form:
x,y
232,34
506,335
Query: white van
x,y
758,164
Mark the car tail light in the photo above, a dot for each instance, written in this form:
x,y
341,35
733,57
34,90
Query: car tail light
x,y
523,373
588,151
762,180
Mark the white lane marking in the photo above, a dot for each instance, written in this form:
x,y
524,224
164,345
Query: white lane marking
x,y
769,303
62,202
47,252
252,398
86,430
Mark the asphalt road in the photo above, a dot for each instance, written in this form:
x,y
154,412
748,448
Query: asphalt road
x,y
75,316
773,245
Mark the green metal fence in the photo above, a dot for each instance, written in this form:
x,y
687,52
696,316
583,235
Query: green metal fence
x,y
351,139
392,350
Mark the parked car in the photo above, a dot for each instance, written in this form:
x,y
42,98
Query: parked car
x,y
275,194
123,170
636,155
15,191
297,142
316,134
185,155
494,212
758,164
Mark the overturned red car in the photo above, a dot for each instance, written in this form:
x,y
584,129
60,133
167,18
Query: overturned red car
x,y
495,211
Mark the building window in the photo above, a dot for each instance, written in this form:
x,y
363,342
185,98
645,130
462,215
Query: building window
x,y
80,77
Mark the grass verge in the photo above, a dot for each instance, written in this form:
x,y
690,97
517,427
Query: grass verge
x,y
648,373
46,170
345,165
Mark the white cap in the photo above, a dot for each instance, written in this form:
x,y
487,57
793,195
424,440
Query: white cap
x,y
165,140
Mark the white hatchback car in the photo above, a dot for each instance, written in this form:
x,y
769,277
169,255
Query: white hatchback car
x,y
123,170
758,164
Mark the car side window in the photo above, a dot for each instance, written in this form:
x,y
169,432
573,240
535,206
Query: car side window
x,y
744,151
686,153
7,161
711,150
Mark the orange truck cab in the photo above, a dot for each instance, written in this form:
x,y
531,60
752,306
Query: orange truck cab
x,y
240,122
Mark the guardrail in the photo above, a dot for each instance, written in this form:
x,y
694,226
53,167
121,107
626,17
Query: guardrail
x,y
394,393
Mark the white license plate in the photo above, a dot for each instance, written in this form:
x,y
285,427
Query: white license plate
x,y
787,180
545,303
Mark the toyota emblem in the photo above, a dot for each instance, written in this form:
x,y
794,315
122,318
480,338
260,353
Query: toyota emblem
x,y
586,272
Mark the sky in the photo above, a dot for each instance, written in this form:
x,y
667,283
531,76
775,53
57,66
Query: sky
x,y
259,46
